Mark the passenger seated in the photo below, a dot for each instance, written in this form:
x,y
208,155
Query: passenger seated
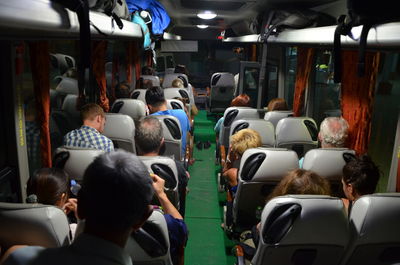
x,y
122,90
181,69
147,70
360,177
89,134
277,104
333,133
114,200
239,142
242,100
158,106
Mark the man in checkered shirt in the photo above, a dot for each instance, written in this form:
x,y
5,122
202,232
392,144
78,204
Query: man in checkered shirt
x,y
89,134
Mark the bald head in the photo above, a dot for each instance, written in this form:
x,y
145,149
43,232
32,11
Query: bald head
x,y
333,132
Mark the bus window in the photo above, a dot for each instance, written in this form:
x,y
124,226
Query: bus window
x,y
160,64
272,84
326,98
170,61
385,115
290,74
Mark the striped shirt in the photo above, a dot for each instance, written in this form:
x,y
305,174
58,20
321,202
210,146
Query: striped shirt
x,y
88,137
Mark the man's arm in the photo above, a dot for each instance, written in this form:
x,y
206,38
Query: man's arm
x,y
168,207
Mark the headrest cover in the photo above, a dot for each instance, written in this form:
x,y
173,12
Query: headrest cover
x,y
275,116
67,85
263,127
222,80
296,130
155,80
169,78
119,127
132,107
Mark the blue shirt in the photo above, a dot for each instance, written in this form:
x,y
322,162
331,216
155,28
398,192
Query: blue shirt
x,y
183,120
178,234
88,137
217,127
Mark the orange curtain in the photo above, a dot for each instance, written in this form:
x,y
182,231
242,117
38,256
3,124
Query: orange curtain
x,y
132,61
99,71
304,67
40,65
358,97
149,58
136,60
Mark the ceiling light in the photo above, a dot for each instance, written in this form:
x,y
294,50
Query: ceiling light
x,y
207,15
202,26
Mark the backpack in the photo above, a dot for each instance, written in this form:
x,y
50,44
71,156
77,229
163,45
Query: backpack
x,y
278,20
117,9
366,13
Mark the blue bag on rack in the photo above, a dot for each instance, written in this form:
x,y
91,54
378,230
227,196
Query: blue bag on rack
x,y
136,18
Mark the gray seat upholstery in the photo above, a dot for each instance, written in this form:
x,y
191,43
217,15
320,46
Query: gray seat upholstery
x,y
75,160
120,128
261,169
33,224
165,168
222,89
148,252
230,115
169,78
69,106
153,78
297,133
302,229
328,163
277,115
55,100
169,71
66,85
173,92
374,230
62,61
172,136
175,104
139,94
134,108
263,127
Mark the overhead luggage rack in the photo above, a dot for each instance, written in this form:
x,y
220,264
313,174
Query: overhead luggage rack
x,y
44,19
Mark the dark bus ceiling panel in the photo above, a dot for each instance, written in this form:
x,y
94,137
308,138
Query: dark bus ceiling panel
x,y
215,5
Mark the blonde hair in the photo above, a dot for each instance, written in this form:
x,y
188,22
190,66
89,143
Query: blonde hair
x,y
245,139
177,83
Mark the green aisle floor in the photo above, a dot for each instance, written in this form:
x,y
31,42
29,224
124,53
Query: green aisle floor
x,y
207,244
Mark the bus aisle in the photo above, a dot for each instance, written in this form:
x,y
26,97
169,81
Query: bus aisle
x,y
207,241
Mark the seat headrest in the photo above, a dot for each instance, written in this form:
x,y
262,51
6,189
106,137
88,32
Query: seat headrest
x,y
173,92
171,127
78,160
155,80
174,104
222,80
266,164
236,113
33,224
164,167
289,220
119,126
69,105
327,162
66,85
139,94
62,61
263,127
275,116
296,130
169,78
132,107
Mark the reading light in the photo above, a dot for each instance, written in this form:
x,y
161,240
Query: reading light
x,y
207,15
202,26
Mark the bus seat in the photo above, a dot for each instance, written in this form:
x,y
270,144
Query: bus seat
x,y
33,224
62,61
76,160
222,89
63,121
139,94
302,229
66,85
56,137
297,133
172,136
155,80
328,163
169,71
55,100
69,106
277,115
165,168
261,169
375,231
169,78
134,108
120,128
263,127
175,104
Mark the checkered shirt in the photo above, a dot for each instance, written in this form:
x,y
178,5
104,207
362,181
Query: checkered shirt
x,y
88,137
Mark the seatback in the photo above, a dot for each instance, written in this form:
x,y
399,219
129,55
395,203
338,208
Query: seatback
x,y
139,94
263,127
275,116
230,115
174,92
169,78
261,169
222,89
297,133
175,104
328,163
67,85
62,61
33,224
375,230
55,100
120,128
155,80
69,106
169,70
75,160
165,168
172,135
134,108
302,229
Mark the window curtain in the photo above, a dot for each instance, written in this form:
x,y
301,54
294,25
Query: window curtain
x,y
357,98
304,68
99,49
149,58
40,65
132,62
